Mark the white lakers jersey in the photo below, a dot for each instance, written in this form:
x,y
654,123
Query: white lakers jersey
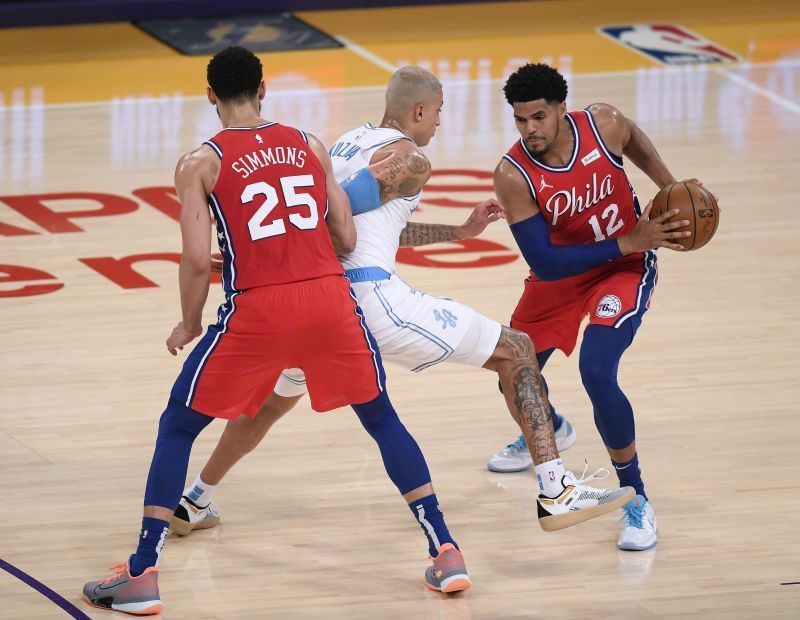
x,y
378,230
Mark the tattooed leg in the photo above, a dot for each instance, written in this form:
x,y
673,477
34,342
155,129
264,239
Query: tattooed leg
x,y
514,360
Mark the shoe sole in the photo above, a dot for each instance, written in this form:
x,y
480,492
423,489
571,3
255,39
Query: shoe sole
x,y
147,611
179,527
510,470
457,583
552,523
631,547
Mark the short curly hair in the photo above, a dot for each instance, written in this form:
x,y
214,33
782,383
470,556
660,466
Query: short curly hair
x,y
234,74
531,82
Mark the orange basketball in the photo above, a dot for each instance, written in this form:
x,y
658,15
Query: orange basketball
x,y
696,204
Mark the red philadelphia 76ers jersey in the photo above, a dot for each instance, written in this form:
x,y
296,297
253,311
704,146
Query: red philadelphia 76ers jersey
x,y
270,203
588,200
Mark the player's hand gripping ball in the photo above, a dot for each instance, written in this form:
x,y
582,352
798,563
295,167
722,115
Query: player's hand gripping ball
x,y
696,204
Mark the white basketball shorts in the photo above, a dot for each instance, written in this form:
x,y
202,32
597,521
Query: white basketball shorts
x,y
415,330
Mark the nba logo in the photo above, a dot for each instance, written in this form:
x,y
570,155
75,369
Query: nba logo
x,y
552,476
669,44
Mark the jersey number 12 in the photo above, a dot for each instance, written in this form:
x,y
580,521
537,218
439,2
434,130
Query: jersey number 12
x,y
611,213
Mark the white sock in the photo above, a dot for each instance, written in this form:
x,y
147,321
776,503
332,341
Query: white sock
x,y
200,492
549,475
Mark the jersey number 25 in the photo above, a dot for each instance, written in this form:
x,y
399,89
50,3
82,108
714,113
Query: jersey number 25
x,y
257,226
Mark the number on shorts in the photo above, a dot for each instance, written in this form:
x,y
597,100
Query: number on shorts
x,y
611,213
257,226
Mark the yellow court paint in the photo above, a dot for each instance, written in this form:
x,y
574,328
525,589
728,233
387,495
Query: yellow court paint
x,y
70,64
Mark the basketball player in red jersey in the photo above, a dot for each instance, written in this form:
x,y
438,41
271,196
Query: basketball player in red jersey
x,y
577,222
287,304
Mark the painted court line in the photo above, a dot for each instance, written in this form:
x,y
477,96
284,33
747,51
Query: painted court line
x,y
760,90
366,54
42,589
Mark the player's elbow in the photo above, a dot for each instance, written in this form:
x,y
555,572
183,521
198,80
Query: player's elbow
x,y
348,244
344,240
195,263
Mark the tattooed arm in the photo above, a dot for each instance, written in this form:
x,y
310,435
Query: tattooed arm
x,y
416,233
401,170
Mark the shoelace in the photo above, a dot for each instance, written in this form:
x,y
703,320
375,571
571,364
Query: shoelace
x,y
633,514
518,446
601,473
118,570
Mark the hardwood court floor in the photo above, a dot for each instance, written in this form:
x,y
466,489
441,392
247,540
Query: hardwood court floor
x,y
311,526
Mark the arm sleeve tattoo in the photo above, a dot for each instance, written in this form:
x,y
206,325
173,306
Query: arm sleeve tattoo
x,y
403,175
416,233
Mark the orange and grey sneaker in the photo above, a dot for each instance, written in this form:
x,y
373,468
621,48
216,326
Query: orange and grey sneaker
x,y
121,592
448,572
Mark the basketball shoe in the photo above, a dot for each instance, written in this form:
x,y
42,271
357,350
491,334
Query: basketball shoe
x,y
579,502
516,457
638,526
189,516
448,573
122,592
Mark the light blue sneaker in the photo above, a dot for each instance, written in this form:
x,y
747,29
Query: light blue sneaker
x,y
638,526
565,436
516,457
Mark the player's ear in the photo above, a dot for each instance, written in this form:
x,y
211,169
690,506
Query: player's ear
x,y
562,109
418,112
212,98
262,90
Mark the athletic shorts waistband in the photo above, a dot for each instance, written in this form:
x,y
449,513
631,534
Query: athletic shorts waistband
x,y
367,274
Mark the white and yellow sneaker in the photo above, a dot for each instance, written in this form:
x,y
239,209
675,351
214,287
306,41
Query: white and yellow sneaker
x,y
189,516
580,502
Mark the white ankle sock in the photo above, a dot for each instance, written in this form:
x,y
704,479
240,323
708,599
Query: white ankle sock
x,y
200,492
549,475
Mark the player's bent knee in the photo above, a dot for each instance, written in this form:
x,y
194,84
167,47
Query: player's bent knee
x,y
513,345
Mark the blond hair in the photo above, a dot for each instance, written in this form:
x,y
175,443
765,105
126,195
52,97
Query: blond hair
x,y
410,86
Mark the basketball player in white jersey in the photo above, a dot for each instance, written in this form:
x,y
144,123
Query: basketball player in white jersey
x,y
383,172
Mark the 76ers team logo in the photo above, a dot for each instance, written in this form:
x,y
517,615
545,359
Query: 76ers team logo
x,y
609,306
669,44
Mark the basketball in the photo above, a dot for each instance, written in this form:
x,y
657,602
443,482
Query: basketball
x,y
696,204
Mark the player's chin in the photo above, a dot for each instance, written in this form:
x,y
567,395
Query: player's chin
x,y
537,147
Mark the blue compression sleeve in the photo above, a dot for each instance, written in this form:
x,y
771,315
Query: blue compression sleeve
x,y
363,190
554,262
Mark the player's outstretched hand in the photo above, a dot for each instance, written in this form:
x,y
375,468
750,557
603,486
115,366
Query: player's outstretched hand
x,y
482,215
181,336
656,233
216,262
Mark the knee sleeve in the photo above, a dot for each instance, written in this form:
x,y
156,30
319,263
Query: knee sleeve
x,y
600,355
402,457
178,427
